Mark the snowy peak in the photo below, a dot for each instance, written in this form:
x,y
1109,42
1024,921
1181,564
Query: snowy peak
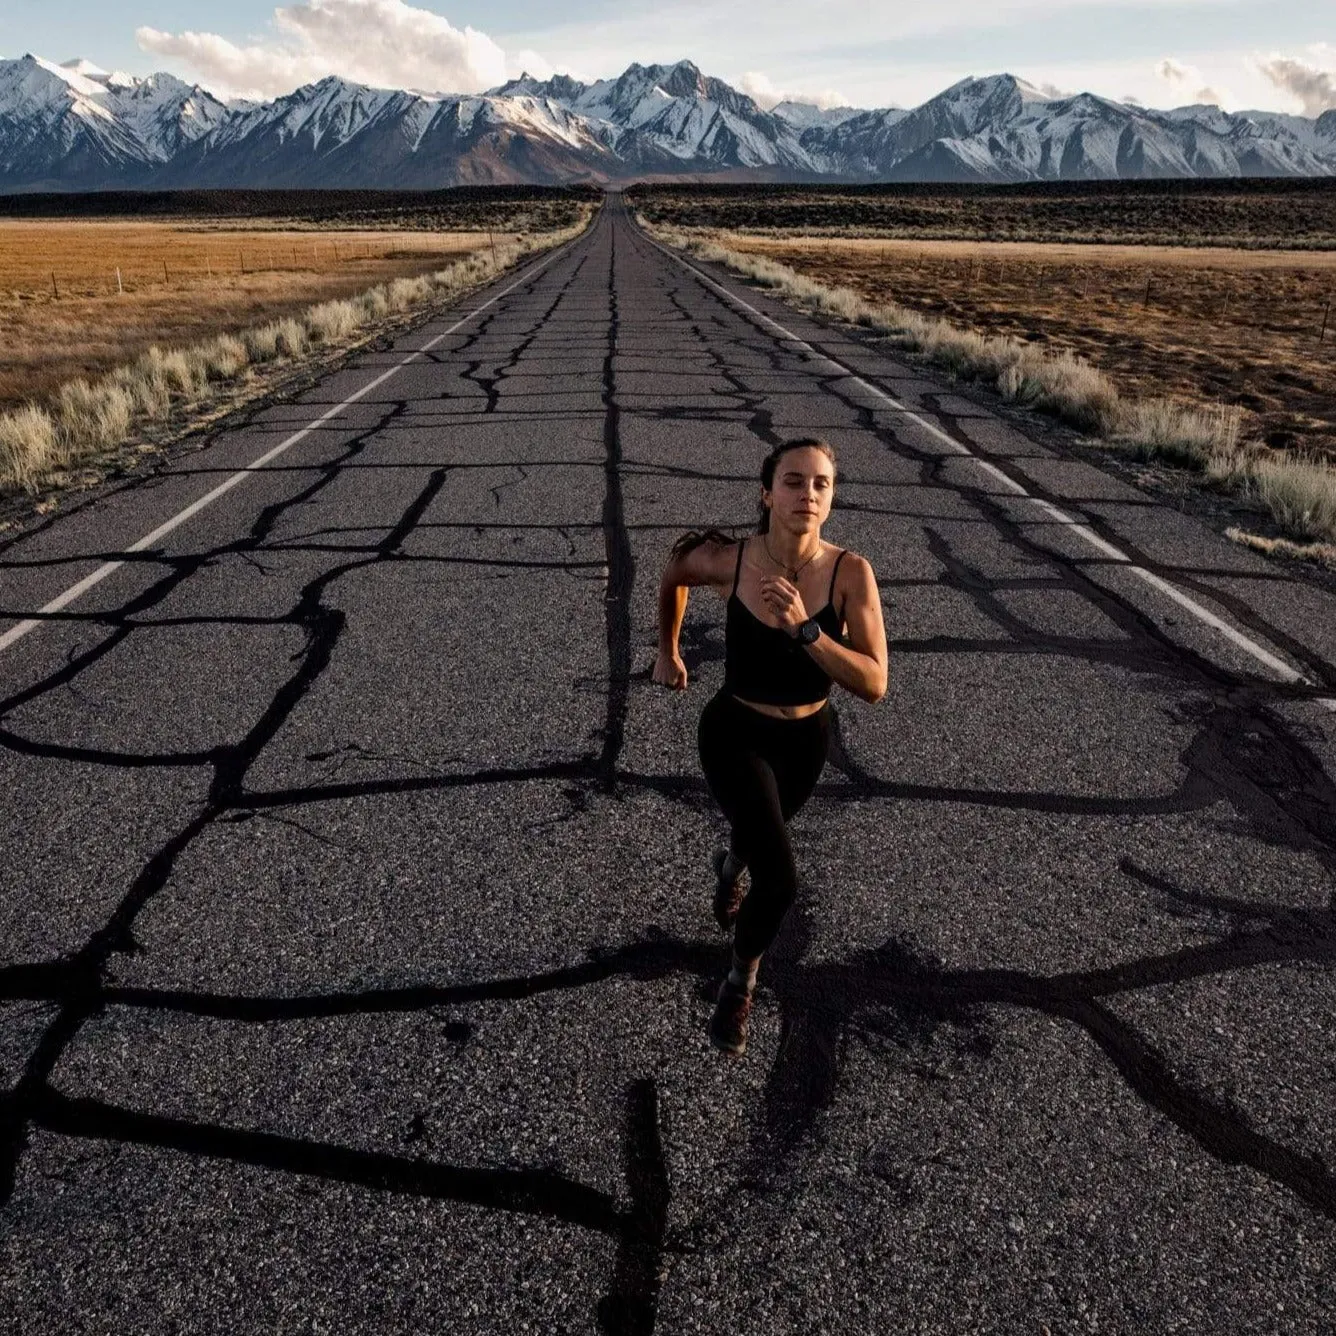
x,y
641,91
331,110
993,86
55,80
41,93
85,69
681,80
166,112
93,119
76,126
559,88
55,121
671,117
116,79
805,115
973,104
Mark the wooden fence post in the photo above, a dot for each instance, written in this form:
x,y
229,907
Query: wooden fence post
x,y
120,287
55,291
1326,311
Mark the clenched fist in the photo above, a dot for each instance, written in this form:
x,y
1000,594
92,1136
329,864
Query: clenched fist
x,y
670,671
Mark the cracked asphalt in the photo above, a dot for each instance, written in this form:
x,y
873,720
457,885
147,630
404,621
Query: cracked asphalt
x,y
355,941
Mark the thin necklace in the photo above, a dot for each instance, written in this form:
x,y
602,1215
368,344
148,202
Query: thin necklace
x,y
791,571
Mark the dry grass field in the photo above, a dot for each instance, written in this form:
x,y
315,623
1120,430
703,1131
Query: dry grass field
x,y
63,313
151,330
1249,213
1189,322
1206,326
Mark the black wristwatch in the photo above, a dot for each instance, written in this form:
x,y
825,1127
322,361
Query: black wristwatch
x,y
809,632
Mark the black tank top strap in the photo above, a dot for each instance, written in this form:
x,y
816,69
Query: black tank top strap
x,y
830,597
737,570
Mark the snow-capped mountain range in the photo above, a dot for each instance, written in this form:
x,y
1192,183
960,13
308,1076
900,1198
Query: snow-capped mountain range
x,y
77,127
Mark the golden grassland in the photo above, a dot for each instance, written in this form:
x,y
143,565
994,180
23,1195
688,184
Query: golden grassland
x,y
89,423
937,303
1233,328
64,314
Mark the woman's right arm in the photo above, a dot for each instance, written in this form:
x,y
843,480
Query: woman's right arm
x,y
703,565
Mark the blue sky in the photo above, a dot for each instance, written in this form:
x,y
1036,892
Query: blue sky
x,y
1241,53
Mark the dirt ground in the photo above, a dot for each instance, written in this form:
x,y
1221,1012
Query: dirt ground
x,y
63,312
1218,326
1252,213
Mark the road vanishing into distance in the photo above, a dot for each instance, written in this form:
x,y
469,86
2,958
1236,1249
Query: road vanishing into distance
x,y
355,935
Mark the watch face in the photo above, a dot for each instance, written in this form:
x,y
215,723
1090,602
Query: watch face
x,y
809,632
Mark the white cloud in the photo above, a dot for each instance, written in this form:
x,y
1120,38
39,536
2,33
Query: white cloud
x,y
1175,71
399,43
1179,74
1312,85
531,63
849,45
763,91
384,43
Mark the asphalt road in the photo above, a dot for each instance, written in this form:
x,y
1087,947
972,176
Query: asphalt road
x,y
355,943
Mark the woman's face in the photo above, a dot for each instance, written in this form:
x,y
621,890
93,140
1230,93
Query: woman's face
x,y
804,488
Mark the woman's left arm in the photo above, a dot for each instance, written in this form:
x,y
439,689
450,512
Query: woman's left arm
x,y
860,665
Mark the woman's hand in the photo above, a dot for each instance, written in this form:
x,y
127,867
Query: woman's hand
x,y
670,671
785,602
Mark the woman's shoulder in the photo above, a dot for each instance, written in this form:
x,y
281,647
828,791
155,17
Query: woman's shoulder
x,y
707,557
850,574
728,550
849,563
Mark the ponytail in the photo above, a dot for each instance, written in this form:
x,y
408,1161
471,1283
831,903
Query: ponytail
x,y
695,538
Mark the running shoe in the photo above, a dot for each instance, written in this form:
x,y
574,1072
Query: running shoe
x,y
727,894
728,1025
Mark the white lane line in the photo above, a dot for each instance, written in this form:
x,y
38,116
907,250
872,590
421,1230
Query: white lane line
x,y
76,591
1283,670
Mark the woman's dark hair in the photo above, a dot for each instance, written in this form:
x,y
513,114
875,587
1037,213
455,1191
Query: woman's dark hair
x,y
696,537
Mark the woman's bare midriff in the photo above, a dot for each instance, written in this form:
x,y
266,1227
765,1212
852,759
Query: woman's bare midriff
x,y
782,711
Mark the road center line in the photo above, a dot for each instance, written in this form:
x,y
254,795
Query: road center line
x,y
1277,665
76,591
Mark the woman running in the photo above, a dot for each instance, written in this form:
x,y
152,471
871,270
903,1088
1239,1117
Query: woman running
x,y
763,737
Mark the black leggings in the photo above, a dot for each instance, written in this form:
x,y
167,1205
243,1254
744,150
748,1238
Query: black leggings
x,y
761,770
